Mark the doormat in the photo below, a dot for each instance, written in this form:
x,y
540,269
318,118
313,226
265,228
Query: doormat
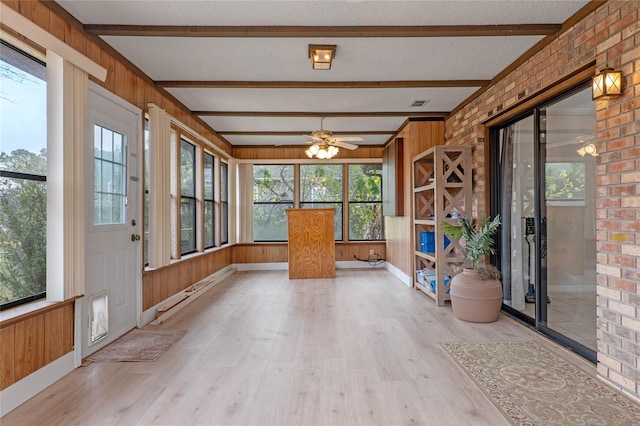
x,y
138,346
532,386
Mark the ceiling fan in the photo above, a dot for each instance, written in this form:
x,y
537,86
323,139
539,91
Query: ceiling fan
x,y
325,145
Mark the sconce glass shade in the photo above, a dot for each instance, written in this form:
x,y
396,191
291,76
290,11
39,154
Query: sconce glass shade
x,y
607,84
322,151
322,55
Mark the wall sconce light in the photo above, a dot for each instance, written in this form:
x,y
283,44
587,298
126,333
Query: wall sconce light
x,y
607,84
321,55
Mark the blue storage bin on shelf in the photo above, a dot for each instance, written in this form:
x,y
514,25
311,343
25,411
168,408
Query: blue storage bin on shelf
x,y
432,283
428,242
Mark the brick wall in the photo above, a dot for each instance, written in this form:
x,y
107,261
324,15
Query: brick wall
x,y
610,35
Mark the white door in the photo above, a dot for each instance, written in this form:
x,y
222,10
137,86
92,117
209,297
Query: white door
x,y
111,305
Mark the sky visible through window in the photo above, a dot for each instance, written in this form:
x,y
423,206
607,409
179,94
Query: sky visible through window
x,y
23,121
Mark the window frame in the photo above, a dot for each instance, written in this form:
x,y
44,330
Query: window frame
x,y
209,201
224,203
350,202
289,203
192,198
25,176
329,204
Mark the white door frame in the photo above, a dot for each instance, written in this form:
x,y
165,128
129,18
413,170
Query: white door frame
x,y
80,333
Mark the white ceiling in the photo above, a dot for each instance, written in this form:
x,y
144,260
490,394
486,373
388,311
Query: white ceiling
x,y
283,59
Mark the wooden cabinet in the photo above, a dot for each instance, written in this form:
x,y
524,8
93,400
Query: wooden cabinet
x,y
441,192
312,252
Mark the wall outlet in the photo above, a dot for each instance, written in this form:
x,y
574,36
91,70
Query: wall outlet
x,y
371,252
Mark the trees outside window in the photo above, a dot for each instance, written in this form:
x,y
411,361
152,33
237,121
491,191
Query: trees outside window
x,y
23,170
187,197
224,203
366,221
209,204
321,187
273,188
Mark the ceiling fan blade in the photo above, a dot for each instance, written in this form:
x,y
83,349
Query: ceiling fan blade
x,y
349,139
315,137
344,145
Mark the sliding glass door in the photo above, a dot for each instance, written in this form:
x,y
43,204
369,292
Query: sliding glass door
x,y
544,166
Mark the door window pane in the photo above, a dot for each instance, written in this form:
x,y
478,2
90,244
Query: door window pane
x,y
109,184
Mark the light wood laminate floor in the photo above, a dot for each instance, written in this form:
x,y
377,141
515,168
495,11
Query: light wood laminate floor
x,y
265,350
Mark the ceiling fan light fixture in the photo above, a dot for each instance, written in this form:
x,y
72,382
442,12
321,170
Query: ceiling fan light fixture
x,y
322,151
322,55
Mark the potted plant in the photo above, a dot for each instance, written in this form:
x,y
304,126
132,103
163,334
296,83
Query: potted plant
x,y
476,293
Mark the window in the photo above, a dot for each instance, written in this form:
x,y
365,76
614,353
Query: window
x,y
187,197
224,202
365,202
23,169
209,204
321,187
272,194
109,183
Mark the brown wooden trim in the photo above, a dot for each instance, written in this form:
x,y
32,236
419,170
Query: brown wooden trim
x,y
432,114
322,31
399,84
43,307
576,17
303,133
567,82
75,23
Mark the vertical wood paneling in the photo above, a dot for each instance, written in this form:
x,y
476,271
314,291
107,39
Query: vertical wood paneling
x,y
159,284
28,344
68,330
29,341
75,39
418,137
56,26
7,356
53,335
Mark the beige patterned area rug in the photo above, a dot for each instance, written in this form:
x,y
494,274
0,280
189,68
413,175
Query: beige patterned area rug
x,y
138,345
532,386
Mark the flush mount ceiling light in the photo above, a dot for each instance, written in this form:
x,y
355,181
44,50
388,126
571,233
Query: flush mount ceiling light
x,y
321,55
607,84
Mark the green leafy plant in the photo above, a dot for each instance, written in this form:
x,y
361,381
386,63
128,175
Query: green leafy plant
x,y
478,239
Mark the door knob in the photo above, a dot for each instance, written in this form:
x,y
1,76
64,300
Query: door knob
x,y
135,237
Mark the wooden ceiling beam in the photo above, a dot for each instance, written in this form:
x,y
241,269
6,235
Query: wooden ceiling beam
x,y
323,31
399,84
303,133
436,114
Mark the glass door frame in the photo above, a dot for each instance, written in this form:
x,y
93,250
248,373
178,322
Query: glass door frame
x,y
495,203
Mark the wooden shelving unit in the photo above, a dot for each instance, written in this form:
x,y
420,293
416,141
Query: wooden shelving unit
x,y
441,191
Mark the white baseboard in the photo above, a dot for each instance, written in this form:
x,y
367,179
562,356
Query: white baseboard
x,y
25,389
149,316
406,279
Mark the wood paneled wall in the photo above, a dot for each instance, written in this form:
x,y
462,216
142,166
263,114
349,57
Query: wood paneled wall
x,y
159,284
297,152
418,136
278,252
31,341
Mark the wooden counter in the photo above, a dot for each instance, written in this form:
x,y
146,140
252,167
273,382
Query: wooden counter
x,y
312,252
